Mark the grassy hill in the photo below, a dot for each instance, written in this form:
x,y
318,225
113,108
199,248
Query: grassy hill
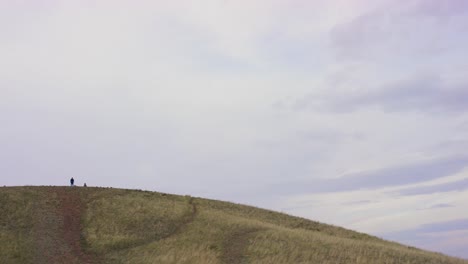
x,y
103,225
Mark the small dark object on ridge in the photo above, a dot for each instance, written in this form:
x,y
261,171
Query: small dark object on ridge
x,y
84,185
72,181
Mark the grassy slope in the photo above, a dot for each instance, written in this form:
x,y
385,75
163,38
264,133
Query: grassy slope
x,y
128,226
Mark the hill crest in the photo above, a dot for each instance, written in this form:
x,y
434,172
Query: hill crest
x,y
106,225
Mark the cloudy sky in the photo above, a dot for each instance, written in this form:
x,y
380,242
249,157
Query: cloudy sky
x,y
349,112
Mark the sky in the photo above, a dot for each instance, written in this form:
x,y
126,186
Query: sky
x,y
348,112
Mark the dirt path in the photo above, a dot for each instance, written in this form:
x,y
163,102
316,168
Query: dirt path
x,y
235,246
189,218
58,229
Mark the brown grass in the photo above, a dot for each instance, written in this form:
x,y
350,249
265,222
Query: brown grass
x,y
130,226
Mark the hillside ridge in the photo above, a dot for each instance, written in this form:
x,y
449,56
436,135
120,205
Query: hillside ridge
x,y
106,225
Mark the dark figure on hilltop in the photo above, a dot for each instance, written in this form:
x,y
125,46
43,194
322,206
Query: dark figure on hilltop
x,y
84,185
72,181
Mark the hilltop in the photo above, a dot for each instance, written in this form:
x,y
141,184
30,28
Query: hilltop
x,y
105,225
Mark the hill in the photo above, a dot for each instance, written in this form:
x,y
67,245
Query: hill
x,y
104,225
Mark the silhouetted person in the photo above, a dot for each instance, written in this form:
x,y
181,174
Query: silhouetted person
x,y
84,185
72,181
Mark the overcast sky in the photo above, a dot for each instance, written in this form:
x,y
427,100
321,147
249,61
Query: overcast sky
x,y
349,112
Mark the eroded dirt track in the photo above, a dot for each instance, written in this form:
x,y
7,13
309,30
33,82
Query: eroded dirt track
x,y
58,227
235,246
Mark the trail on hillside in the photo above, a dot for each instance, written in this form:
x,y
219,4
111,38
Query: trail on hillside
x,y
235,246
189,218
58,228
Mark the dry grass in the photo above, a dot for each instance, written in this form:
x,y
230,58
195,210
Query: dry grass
x,y
16,225
125,226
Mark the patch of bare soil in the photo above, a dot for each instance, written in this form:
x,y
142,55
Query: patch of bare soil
x,y
235,246
58,228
